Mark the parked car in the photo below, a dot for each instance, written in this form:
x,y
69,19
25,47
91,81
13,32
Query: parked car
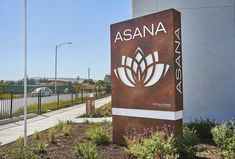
x,y
45,91
66,90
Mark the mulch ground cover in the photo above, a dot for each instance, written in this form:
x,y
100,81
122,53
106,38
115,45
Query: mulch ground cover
x,y
64,146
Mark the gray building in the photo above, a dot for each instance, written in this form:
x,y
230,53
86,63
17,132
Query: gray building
x,y
208,43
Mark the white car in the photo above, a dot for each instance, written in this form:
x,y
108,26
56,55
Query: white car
x,y
45,91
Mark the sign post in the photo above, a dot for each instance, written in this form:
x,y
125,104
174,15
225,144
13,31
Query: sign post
x,y
146,63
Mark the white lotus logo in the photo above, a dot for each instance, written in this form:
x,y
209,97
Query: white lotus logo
x,y
141,70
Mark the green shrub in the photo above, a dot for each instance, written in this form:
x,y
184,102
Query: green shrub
x,y
106,123
96,114
85,115
102,111
52,135
36,135
187,144
66,129
39,147
98,134
224,137
23,152
61,124
157,145
203,127
20,141
87,150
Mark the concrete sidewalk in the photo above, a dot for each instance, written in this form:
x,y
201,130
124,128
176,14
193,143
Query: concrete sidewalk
x,y
13,131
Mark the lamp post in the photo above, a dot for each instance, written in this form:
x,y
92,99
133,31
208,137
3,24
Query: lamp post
x,y
56,47
25,72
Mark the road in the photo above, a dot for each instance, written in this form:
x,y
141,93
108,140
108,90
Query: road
x,y
18,103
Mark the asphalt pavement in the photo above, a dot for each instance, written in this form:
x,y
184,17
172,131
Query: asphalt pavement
x,y
18,103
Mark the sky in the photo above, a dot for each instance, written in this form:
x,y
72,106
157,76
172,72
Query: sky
x,y
85,23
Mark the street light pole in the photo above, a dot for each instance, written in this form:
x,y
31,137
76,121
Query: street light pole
x,y
55,69
25,74
56,48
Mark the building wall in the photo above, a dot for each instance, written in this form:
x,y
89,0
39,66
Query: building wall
x,y
208,43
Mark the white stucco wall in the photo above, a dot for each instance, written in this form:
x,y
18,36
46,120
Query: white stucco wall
x,y
208,43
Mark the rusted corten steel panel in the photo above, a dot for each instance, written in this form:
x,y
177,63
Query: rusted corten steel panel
x,y
90,105
146,63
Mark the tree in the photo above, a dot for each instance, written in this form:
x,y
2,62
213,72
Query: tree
x,y
100,83
9,83
107,79
20,82
1,86
31,81
88,81
78,78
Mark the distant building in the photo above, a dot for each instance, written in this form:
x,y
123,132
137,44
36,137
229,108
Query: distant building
x,y
73,80
208,37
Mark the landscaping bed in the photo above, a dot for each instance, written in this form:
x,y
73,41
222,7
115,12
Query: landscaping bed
x,y
64,145
202,139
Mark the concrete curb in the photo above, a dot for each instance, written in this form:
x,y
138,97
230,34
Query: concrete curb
x,y
92,120
16,119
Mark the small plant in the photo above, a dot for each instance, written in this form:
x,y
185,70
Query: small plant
x,y
152,145
102,111
87,150
224,137
23,152
36,135
203,127
20,141
186,145
61,124
39,147
98,134
69,122
66,129
96,114
52,135
106,124
84,116
2,155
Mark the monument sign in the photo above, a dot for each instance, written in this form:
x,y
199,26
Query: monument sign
x,y
146,63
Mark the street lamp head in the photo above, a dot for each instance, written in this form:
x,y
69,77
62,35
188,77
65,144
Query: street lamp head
x,y
57,46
